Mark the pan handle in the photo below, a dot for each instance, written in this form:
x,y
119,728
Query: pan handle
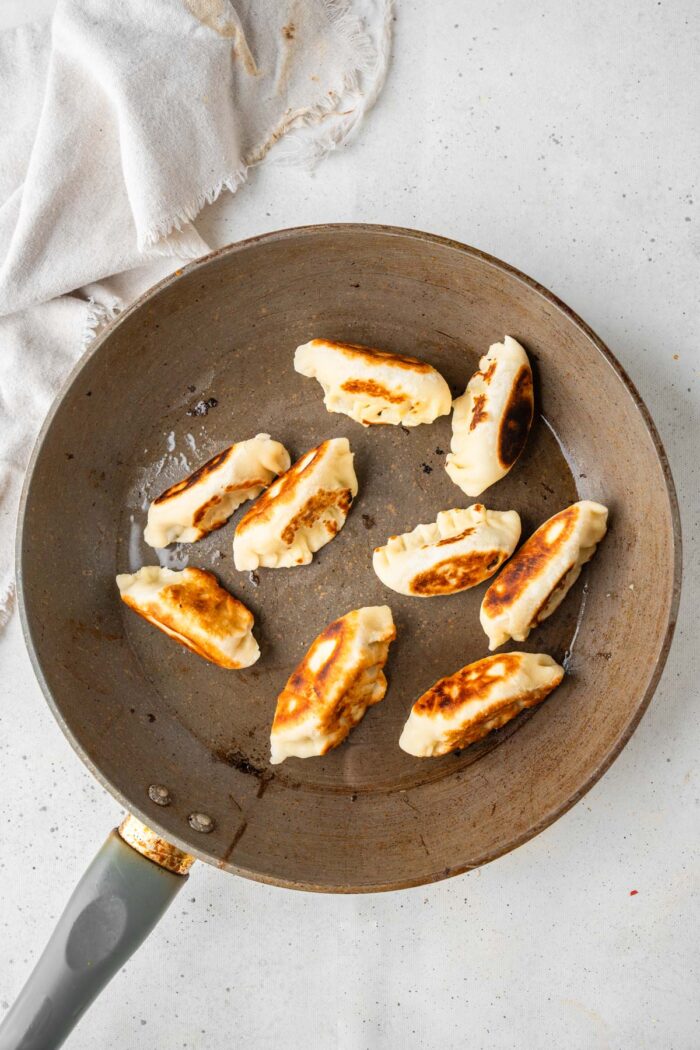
x,y
114,907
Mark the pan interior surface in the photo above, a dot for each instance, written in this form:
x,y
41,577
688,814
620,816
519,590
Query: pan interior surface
x,y
207,359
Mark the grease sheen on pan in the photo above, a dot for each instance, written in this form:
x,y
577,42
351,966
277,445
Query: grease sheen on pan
x,y
466,706
301,512
372,386
338,679
206,499
491,419
459,550
192,607
540,574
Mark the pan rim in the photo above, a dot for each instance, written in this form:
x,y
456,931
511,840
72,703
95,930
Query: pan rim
x,y
665,641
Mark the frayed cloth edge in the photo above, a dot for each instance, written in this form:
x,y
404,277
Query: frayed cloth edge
x,y
370,63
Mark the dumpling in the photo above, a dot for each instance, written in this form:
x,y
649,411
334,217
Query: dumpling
x,y
338,679
538,577
491,419
301,512
372,386
194,609
483,696
205,500
461,549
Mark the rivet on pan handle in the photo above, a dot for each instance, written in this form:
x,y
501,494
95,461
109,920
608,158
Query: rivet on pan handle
x,y
114,907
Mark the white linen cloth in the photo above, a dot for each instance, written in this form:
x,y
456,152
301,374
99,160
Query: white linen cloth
x,y
119,121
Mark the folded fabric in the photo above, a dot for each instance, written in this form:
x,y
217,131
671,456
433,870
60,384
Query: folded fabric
x,y
118,123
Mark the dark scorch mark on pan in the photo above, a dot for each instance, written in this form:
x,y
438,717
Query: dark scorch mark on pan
x,y
202,407
231,757
226,856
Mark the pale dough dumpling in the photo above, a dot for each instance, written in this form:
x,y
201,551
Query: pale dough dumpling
x,y
301,512
458,551
491,419
483,696
206,499
193,608
372,386
539,576
338,679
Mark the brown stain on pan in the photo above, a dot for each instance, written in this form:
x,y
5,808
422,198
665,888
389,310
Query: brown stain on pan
x,y
232,756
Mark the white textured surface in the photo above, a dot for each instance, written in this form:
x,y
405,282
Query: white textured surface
x,y
564,138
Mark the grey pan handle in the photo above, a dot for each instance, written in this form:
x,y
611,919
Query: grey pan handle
x,y
116,904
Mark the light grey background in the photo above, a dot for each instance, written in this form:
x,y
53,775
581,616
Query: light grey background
x,y
565,138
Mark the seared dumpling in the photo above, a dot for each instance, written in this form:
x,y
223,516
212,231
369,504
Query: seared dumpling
x,y
539,576
205,500
338,679
483,696
372,386
301,512
491,419
193,608
462,548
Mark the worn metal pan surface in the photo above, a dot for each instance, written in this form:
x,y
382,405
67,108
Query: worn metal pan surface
x,y
205,359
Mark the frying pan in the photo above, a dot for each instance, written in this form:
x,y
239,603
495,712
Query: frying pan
x,y
204,359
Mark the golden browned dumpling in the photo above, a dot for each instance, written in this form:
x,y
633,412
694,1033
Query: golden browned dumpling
x,y
540,574
483,696
193,608
338,679
491,419
459,550
206,499
301,512
372,386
